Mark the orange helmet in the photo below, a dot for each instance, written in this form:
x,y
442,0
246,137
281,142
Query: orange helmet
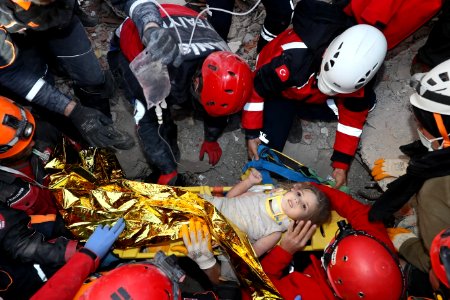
x,y
358,267
16,128
227,83
155,279
440,256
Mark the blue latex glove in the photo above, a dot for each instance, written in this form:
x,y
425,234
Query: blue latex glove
x,y
102,238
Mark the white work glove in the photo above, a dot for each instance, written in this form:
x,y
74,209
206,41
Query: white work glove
x,y
400,235
394,167
197,240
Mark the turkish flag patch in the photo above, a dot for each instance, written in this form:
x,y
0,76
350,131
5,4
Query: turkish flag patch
x,y
2,222
283,73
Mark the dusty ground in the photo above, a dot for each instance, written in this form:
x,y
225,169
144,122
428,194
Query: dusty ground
x,y
388,126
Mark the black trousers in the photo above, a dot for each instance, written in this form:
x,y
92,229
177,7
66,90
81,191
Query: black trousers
x,y
437,46
159,142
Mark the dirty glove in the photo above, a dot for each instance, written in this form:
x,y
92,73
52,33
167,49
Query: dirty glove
x,y
214,152
197,240
389,168
102,238
97,129
162,46
399,235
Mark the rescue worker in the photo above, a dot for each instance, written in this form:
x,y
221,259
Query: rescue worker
x,y
360,263
426,184
440,263
158,278
28,258
33,237
25,147
209,79
278,18
66,282
33,32
295,75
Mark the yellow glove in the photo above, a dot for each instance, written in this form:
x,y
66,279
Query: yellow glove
x,y
394,167
399,235
197,240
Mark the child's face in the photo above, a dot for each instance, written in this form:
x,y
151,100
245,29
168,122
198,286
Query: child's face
x,y
299,204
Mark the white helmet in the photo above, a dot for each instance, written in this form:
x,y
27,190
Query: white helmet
x,y
433,91
352,60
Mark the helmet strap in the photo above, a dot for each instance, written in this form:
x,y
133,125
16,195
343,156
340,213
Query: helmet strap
x,y
169,266
442,130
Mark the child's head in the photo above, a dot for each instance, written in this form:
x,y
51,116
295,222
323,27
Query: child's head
x,y
304,201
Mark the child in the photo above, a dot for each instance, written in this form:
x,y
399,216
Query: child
x,y
265,216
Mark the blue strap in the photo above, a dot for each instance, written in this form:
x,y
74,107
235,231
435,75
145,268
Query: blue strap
x,y
264,167
275,165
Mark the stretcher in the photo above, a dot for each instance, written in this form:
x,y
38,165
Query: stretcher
x,y
318,242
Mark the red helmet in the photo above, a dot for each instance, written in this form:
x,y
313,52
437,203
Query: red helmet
x,y
440,256
138,281
227,83
16,128
359,267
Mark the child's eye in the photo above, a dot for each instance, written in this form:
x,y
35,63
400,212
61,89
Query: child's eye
x,y
304,206
298,194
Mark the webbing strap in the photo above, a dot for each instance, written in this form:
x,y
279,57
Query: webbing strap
x,y
275,165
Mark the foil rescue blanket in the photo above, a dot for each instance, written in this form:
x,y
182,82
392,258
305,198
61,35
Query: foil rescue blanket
x,y
90,190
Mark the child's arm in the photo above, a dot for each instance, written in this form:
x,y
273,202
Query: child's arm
x,y
266,243
254,178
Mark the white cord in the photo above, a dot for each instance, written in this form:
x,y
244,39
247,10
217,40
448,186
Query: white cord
x,y
222,10
172,22
170,148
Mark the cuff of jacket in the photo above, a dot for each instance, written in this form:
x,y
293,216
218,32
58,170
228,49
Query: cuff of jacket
x,y
252,133
341,160
92,255
71,249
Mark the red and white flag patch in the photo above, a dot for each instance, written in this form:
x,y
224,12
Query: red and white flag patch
x,y
2,222
283,73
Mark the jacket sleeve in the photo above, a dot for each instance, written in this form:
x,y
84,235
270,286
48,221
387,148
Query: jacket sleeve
x,y
356,214
214,127
23,243
65,283
141,12
377,13
352,116
275,262
271,79
18,78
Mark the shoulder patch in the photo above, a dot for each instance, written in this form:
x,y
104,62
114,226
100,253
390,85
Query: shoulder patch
x,y
2,222
283,73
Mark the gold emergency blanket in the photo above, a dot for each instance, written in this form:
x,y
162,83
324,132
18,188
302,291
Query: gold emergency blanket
x,y
90,190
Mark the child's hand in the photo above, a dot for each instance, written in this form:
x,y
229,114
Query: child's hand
x,y
254,177
297,235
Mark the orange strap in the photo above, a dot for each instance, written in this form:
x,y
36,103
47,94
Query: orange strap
x,y
37,219
9,284
442,129
24,4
